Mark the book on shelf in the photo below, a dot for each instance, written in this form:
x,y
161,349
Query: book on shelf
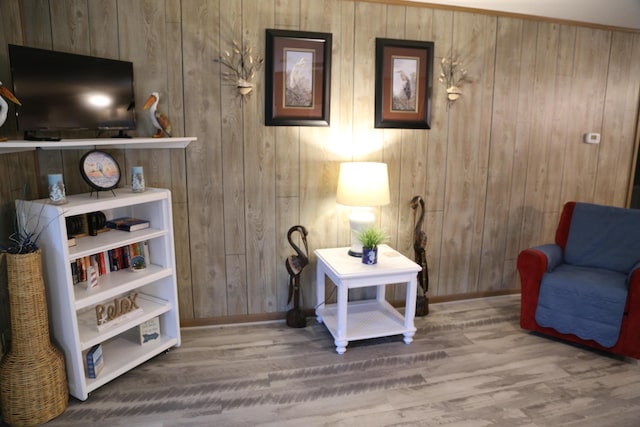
x,y
135,249
82,269
128,223
95,361
149,330
103,262
88,262
126,258
74,272
145,252
112,266
114,259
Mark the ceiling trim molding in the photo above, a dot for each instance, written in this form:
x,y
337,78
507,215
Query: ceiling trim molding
x,y
498,13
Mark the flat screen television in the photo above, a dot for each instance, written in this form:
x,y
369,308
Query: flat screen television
x,y
68,92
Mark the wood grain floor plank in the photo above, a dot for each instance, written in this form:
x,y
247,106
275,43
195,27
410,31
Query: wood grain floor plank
x,y
470,365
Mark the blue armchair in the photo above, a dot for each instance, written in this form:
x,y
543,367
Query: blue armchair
x,y
585,287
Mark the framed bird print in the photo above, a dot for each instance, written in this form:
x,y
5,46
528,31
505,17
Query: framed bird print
x,y
298,78
404,82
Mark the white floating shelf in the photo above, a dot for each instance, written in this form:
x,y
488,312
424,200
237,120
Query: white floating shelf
x,y
75,144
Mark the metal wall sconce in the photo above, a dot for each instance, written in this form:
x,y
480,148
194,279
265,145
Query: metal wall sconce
x,y
453,76
241,65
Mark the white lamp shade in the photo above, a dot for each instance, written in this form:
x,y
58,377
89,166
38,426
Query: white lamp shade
x,y
363,184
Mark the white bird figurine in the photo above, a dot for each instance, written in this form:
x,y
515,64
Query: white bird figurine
x,y
159,120
4,107
406,84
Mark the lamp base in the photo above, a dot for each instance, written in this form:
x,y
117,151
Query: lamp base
x,y
359,219
355,254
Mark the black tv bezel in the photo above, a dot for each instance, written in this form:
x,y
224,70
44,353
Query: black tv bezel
x,y
42,133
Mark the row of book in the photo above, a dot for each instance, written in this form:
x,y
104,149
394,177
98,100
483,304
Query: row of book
x,y
105,262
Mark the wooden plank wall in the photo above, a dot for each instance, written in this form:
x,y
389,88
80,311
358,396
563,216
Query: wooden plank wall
x,y
494,169
18,171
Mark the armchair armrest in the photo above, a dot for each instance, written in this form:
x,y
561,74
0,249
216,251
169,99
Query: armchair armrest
x,y
532,264
630,330
634,271
538,260
553,253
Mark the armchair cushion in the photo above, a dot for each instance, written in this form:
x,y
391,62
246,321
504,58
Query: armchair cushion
x,y
603,237
584,301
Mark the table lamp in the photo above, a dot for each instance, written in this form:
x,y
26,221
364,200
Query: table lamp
x,y
362,185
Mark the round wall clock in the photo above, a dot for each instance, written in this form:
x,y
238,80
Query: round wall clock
x,y
100,170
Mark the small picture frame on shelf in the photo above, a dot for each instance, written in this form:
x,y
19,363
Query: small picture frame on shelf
x,y
149,330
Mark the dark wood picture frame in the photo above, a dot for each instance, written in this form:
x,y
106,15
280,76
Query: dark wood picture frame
x,y
404,83
298,78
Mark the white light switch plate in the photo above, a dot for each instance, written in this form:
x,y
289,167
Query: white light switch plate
x,y
592,138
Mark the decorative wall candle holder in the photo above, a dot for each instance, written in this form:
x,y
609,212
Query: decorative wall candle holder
x,y
453,76
137,179
57,194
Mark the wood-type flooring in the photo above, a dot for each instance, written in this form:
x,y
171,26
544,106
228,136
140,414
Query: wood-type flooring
x,y
470,365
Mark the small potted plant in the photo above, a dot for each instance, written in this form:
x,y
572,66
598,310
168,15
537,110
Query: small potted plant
x,y
370,238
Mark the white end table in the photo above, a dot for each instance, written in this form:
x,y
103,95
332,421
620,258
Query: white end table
x,y
372,318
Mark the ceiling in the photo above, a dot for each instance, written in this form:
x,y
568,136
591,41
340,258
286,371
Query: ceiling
x,y
615,13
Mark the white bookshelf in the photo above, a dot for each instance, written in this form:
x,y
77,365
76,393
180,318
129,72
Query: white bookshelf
x,y
72,307
14,146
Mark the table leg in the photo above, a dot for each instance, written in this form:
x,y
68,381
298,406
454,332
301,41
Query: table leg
x,y
380,293
410,310
319,290
341,334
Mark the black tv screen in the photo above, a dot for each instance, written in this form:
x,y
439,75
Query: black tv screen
x,y
64,91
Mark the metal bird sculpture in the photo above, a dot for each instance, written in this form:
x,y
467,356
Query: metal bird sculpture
x,y
160,121
4,107
420,251
294,265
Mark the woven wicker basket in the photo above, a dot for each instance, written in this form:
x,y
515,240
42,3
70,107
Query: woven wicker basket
x,y
33,381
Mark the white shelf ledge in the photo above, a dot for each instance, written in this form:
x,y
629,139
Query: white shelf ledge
x,y
122,354
91,335
16,146
365,319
